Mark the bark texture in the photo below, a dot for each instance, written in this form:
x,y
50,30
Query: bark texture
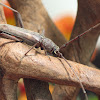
x,y
40,67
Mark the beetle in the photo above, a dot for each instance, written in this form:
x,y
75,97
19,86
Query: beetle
x,y
39,40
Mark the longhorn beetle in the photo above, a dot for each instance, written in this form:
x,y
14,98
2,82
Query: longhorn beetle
x,y
38,40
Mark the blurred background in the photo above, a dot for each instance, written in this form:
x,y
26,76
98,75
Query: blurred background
x,y
63,13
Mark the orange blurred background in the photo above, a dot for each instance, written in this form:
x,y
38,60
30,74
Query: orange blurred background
x,y
65,25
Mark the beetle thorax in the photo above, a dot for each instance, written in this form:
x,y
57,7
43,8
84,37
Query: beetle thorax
x,y
49,45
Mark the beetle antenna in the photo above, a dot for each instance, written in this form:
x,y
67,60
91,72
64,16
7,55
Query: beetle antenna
x,y
18,14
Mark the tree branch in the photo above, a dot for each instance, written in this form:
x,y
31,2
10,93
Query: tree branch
x,y
40,67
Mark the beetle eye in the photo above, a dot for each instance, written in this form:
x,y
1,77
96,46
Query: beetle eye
x,y
42,48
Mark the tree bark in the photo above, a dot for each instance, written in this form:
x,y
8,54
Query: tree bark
x,y
40,67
